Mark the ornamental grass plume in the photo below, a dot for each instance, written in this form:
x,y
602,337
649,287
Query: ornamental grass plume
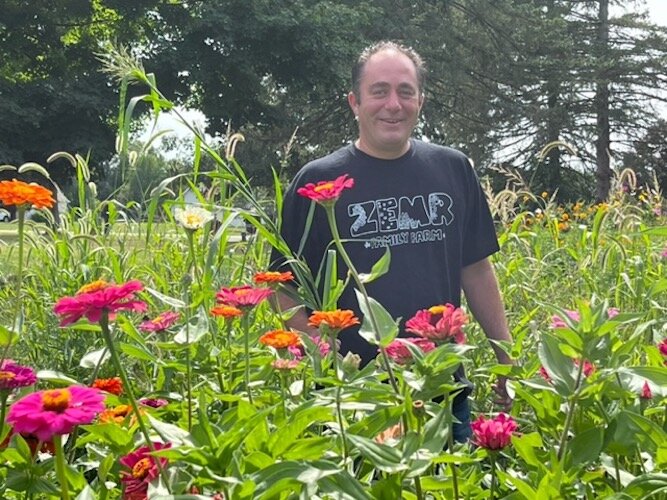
x,y
142,470
160,323
192,217
113,385
226,312
243,296
333,321
326,192
280,339
273,277
494,433
399,352
95,298
21,194
439,323
55,411
13,375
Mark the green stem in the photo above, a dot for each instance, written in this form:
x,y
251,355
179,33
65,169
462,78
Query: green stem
x,y
355,275
570,413
492,457
104,324
246,345
3,409
230,359
618,472
339,411
450,446
60,467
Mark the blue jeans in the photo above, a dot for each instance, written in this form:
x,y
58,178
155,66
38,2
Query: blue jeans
x,y
461,411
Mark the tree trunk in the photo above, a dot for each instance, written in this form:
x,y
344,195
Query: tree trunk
x,y
603,172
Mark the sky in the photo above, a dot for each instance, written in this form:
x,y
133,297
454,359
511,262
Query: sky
x,y
658,11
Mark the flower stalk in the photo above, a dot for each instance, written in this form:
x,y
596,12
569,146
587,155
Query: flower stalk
x,y
60,466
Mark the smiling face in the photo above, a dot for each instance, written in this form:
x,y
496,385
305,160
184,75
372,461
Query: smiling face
x,y
387,105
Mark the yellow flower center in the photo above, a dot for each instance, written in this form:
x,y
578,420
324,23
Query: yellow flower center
x,y
437,309
95,286
141,468
322,187
56,400
193,219
7,375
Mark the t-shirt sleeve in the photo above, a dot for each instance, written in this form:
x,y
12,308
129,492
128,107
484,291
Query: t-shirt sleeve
x,y
480,239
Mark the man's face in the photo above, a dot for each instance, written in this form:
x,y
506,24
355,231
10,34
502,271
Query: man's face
x,y
388,104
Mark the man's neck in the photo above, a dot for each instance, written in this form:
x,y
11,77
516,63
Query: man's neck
x,y
382,155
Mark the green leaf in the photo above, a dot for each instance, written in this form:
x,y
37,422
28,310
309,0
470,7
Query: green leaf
x,y
7,337
138,352
522,487
586,446
171,301
189,333
382,457
91,359
379,268
525,446
108,433
386,325
285,475
56,377
557,365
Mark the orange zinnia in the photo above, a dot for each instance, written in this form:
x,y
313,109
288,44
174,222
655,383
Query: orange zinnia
x,y
280,339
118,415
226,311
271,277
20,193
335,320
112,385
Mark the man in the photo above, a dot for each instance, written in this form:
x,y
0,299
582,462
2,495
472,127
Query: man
x,y
422,201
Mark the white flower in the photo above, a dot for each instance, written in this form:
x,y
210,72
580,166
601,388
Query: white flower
x,y
192,217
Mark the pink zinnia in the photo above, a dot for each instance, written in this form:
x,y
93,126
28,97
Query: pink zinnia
x,y
589,368
13,376
159,323
494,433
439,323
646,392
298,350
91,300
326,191
243,296
56,411
663,347
143,469
153,402
558,322
399,352
285,364
544,374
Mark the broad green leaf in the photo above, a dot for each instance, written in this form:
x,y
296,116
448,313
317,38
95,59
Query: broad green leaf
x,y
387,327
586,446
379,268
94,358
56,377
138,352
525,446
285,475
382,457
558,366
171,301
7,337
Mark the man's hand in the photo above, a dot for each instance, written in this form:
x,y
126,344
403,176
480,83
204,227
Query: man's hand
x,y
503,399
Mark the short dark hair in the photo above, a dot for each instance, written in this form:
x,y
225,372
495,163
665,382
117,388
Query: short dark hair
x,y
371,50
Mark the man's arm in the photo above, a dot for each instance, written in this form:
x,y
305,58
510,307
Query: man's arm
x,y
482,293
299,321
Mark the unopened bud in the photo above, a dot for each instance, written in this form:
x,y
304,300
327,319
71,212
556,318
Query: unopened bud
x,y
418,408
351,361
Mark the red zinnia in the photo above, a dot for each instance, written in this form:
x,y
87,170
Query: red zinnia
x,y
662,346
32,442
143,468
439,323
57,411
92,299
242,296
20,193
326,191
398,350
112,385
494,433
13,376
160,322
646,392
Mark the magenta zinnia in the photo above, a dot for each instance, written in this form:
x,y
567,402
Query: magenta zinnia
x,y
242,296
439,323
56,411
494,433
95,298
13,376
159,323
326,191
143,468
399,352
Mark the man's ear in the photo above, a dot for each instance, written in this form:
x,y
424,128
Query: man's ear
x,y
422,98
353,102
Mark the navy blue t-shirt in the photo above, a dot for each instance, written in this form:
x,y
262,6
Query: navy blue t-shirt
x,y
427,206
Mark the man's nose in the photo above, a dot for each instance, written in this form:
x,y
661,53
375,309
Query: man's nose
x,y
393,102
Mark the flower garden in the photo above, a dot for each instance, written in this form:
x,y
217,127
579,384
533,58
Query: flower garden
x,y
144,360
